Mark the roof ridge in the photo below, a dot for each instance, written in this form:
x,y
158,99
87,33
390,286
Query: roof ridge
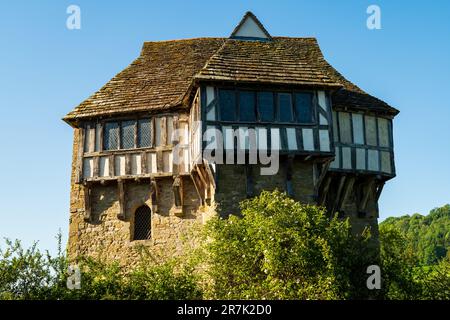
x,y
185,39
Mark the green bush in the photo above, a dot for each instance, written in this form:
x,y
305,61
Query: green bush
x,y
281,249
29,274
276,249
404,276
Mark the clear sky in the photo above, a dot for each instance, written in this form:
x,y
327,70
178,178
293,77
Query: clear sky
x,y
46,70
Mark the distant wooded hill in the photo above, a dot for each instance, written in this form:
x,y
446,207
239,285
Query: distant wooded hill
x,y
429,235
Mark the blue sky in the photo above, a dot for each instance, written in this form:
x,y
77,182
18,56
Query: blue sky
x,y
46,70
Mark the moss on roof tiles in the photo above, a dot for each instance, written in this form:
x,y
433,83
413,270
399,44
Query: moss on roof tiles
x,y
165,71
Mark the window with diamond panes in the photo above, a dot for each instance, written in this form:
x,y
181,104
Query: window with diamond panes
x,y
111,136
127,137
142,223
144,133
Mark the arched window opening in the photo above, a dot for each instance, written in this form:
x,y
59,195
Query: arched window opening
x,y
142,223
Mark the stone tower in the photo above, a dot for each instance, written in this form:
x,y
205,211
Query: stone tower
x,y
196,124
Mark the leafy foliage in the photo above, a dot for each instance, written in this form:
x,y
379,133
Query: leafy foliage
x,y
281,249
276,249
30,274
404,277
429,235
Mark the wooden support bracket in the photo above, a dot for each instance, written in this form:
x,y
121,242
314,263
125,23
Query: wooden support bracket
x,y
154,195
197,184
323,171
324,190
210,174
87,202
379,190
122,199
177,188
338,194
348,187
367,191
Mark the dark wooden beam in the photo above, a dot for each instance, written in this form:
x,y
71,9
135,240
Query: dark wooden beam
x,y
338,193
122,199
87,202
154,195
210,174
111,165
323,171
96,171
79,159
379,190
348,187
202,177
197,184
100,136
143,162
177,188
159,161
324,190
128,163
367,190
163,122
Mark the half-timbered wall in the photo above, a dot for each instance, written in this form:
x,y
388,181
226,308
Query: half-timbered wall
x,y
134,148
293,121
362,143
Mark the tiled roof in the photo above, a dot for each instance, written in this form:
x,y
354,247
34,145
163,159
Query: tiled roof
x,y
158,79
164,73
291,61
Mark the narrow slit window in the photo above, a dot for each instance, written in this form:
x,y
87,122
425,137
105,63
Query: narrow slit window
x,y
142,223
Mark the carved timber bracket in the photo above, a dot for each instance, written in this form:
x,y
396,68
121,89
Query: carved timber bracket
x,y
87,201
122,198
367,191
154,195
177,188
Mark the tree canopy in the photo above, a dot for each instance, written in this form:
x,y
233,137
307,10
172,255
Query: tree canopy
x,y
428,236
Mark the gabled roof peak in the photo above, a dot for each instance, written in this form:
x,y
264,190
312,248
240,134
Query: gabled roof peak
x,y
250,28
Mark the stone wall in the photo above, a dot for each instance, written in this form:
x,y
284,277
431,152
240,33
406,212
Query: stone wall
x,y
111,238
232,185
